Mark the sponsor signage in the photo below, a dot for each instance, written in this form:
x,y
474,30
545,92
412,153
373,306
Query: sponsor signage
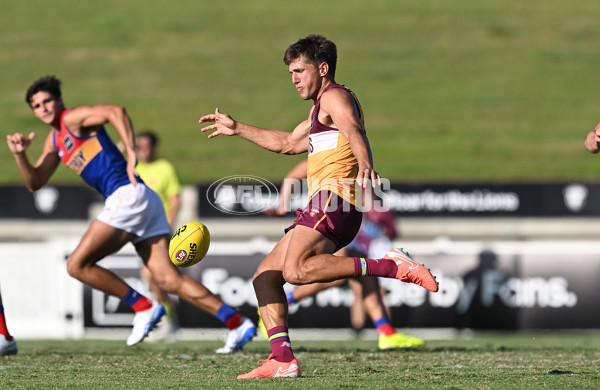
x,y
237,196
251,196
49,202
481,291
554,199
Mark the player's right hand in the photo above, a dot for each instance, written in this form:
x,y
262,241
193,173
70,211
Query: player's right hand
x,y
367,177
131,171
18,143
224,124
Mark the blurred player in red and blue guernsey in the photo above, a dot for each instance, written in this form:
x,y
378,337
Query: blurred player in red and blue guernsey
x,y
8,344
339,160
132,211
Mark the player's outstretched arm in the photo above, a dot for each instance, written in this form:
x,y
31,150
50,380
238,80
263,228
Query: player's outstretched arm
x,y
278,141
591,141
36,176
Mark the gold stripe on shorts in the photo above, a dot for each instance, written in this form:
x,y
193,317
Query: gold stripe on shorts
x,y
324,214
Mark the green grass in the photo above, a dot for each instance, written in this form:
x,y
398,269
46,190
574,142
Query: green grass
x,y
486,361
467,90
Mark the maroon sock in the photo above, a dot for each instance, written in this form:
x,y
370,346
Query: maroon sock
x,y
375,267
281,348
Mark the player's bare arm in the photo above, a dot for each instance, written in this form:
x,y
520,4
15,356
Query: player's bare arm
x,y
278,141
338,108
84,120
34,177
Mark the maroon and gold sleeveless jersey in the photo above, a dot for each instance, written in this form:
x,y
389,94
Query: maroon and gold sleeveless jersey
x,y
331,163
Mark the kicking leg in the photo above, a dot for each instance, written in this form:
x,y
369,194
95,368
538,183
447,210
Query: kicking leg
x,y
309,290
308,260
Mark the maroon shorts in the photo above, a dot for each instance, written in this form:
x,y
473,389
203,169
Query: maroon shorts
x,y
331,216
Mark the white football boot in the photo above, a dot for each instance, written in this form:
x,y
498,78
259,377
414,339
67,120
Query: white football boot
x,y
144,322
238,337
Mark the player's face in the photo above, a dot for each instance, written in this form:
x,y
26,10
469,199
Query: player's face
x,y
305,77
145,150
46,107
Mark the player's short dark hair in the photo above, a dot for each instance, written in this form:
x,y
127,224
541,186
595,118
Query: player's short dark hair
x,y
48,84
151,136
316,49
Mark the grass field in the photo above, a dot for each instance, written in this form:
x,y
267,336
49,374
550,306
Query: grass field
x,y
553,360
467,90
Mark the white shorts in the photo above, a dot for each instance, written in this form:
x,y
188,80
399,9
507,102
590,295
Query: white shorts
x,y
136,210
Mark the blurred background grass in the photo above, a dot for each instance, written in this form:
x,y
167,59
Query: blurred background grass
x,y
466,90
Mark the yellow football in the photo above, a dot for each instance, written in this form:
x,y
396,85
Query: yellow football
x,y
189,244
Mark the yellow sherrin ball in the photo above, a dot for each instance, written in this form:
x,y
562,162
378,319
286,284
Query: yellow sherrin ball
x,y
189,244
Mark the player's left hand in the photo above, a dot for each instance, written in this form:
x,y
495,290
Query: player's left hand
x,y
366,176
224,124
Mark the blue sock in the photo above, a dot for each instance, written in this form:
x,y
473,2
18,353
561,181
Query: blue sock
x,y
225,312
131,297
137,301
381,321
384,326
229,316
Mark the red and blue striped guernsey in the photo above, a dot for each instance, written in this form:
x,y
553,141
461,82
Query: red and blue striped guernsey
x,y
95,158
